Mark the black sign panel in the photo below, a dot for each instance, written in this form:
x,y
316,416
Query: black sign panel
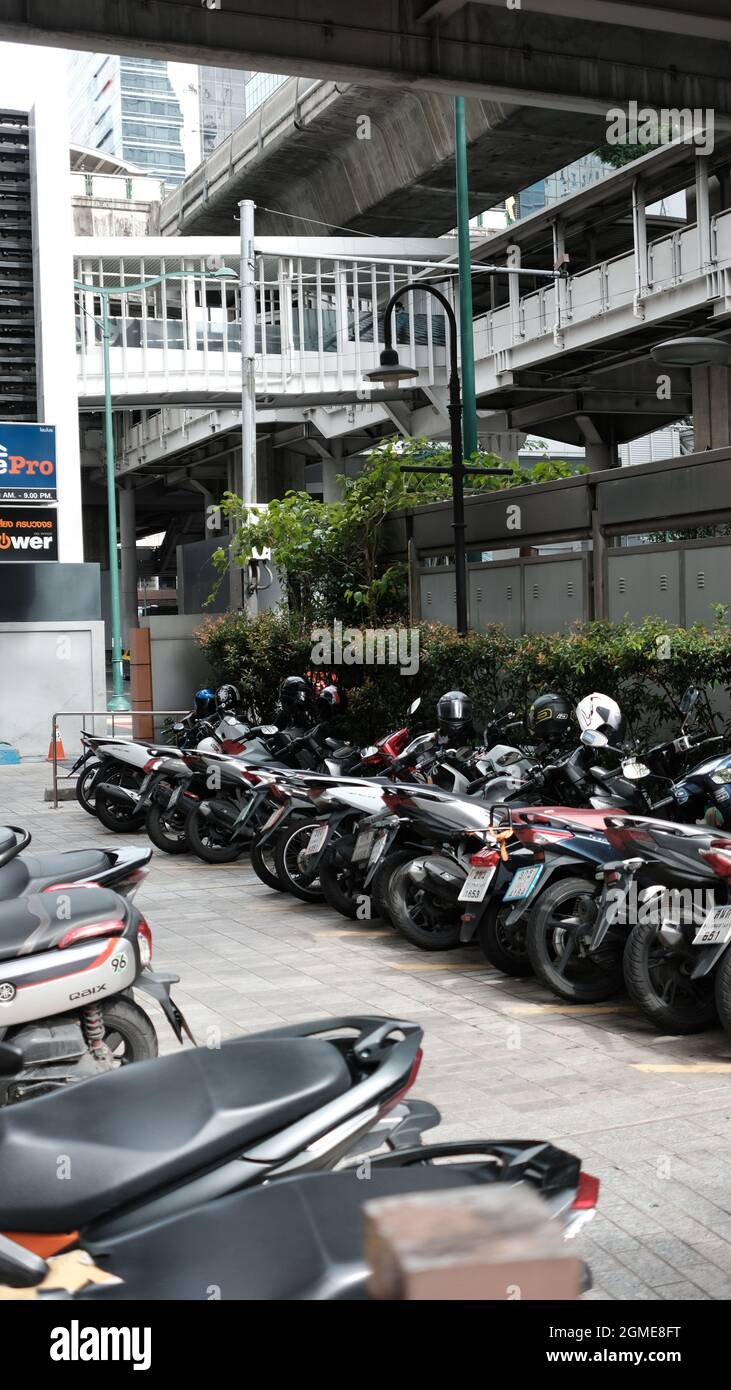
x,y
28,533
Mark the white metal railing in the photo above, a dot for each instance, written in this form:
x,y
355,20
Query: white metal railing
x,y
319,322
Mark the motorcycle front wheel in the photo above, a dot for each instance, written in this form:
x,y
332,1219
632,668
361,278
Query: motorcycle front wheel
x,y
419,915
658,978
556,938
296,880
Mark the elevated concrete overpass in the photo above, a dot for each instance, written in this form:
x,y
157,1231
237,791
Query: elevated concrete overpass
x,y
581,55
370,160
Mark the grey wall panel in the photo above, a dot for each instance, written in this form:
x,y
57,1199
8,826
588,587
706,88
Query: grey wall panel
x,y
179,667
494,597
554,594
707,581
438,597
45,668
646,585
32,593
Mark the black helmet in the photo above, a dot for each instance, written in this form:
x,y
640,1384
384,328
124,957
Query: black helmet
x,y
204,701
331,701
549,718
227,697
295,693
454,714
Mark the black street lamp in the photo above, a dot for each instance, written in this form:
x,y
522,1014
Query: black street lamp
x,y
391,370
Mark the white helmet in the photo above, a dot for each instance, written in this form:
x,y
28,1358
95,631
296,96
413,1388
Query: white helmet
x,y
602,713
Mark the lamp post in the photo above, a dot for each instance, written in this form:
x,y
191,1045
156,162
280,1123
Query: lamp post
x,y
391,370
118,702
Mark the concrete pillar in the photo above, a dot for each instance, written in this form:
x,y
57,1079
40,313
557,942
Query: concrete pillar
x,y
128,558
332,468
711,388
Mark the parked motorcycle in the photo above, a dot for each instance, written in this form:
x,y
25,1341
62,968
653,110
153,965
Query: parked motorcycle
x,y
147,1143
23,874
280,1107
69,959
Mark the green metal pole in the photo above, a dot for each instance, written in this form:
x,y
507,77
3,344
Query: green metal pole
x,y
118,701
469,404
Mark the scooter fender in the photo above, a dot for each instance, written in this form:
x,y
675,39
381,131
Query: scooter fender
x,y
157,984
526,905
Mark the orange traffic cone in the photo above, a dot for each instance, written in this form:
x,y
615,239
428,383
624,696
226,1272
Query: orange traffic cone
x,y
59,747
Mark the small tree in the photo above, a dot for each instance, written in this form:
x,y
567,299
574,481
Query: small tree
x,y
332,555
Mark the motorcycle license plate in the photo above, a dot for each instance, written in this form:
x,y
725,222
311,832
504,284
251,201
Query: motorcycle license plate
x,y
378,848
274,819
476,885
716,930
316,840
362,846
522,883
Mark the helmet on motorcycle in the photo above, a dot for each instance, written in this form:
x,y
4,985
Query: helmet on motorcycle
x,y
548,718
454,714
331,701
603,714
204,702
227,697
295,693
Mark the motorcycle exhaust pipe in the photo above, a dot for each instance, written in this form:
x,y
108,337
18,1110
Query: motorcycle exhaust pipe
x,y
123,796
223,815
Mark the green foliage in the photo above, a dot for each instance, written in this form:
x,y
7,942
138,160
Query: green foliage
x,y
333,554
646,667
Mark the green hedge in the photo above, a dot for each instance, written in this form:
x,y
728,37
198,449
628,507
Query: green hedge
x,y
645,667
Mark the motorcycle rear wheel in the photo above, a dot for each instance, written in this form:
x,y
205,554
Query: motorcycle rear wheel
x,y
658,979
723,991
418,915
112,814
555,945
85,783
334,880
210,841
171,838
129,1033
381,882
504,948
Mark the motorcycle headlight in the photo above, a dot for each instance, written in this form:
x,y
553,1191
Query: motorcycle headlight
x,y
721,776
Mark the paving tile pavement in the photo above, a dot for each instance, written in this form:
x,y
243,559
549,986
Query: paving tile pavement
x,y
501,1057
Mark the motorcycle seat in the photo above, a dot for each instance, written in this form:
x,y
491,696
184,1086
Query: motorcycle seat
x,y
34,872
138,1129
38,921
296,1239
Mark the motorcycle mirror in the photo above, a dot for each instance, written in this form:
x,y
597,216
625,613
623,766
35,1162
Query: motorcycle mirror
x,y
594,739
634,770
11,1059
690,698
414,707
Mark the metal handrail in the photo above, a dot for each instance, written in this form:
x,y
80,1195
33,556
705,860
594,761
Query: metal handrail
x,y
99,714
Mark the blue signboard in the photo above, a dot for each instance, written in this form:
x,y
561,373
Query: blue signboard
x,y
27,462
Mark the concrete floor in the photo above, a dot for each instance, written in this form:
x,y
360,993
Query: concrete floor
x,y
650,1116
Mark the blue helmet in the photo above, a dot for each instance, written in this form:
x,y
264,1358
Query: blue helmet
x,y
205,702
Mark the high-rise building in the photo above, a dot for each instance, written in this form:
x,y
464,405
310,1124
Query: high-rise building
x,y
128,107
163,117
221,104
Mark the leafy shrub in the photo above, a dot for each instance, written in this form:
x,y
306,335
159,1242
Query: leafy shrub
x,y
645,667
